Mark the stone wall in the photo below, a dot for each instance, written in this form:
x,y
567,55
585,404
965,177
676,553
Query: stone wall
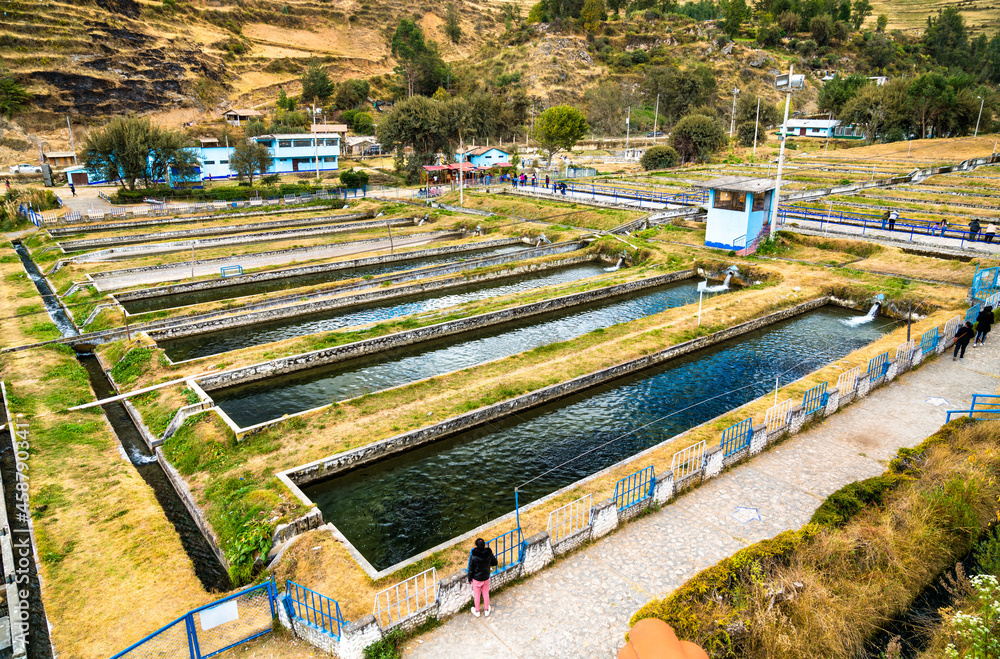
x,y
369,346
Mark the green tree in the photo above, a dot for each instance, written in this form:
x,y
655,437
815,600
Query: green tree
x,y
790,21
130,149
353,178
593,14
559,129
679,89
409,48
880,50
250,158
254,127
364,124
451,24
881,23
834,94
747,131
659,157
697,137
946,39
605,105
746,110
821,28
316,83
351,93
13,97
734,12
861,10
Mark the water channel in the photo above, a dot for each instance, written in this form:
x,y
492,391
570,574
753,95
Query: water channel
x,y
262,401
202,345
403,505
157,303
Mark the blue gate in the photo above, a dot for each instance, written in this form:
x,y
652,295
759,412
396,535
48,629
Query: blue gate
x,y
929,340
508,548
815,398
736,437
213,628
314,609
878,366
634,488
971,314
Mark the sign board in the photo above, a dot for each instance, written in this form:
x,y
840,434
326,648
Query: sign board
x,y
219,615
788,82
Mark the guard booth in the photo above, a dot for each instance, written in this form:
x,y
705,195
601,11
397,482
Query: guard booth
x,y
739,212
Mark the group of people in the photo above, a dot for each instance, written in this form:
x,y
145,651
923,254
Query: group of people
x,y
988,234
967,333
975,228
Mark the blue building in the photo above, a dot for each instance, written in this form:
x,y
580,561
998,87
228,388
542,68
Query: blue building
x,y
822,128
739,211
483,156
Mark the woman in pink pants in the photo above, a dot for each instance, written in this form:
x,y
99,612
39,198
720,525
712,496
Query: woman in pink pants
x,y
481,563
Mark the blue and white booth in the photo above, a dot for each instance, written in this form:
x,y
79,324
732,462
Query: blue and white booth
x,y
739,211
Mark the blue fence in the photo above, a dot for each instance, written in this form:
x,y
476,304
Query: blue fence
x,y
687,198
878,366
508,548
815,398
211,629
929,340
972,313
231,270
984,283
977,408
314,609
736,437
906,226
634,488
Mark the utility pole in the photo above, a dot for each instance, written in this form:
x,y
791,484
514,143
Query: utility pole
x,y
461,171
756,127
656,115
981,101
775,200
388,225
732,123
315,139
628,118
192,260
72,147
909,320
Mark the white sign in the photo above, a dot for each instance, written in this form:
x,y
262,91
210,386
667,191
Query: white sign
x,y
744,515
219,615
937,401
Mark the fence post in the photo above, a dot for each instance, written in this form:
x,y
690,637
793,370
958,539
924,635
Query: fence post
x,y
192,635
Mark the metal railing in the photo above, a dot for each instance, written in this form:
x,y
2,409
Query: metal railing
x,y
314,609
870,221
508,548
736,437
211,629
878,366
815,398
847,383
951,327
777,415
973,313
571,518
687,461
634,488
929,340
904,351
407,598
994,409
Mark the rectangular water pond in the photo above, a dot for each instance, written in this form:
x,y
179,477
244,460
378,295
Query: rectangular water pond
x,y
408,503
258,402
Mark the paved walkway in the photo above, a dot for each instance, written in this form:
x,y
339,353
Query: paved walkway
x,y
580,606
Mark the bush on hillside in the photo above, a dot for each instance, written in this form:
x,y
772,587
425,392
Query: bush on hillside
x,y
659,157
696,137
352,178
746,131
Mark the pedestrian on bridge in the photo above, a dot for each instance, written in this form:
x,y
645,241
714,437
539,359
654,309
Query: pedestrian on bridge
x,y
984,323
962,338
893,216
973,230
481,564
944,226
991,230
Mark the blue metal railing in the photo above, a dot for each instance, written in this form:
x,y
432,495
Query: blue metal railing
x,y
871,221
974,409
972,313
634,488
736,437
687,198
508,548
929,340
314,609
815,398
878,366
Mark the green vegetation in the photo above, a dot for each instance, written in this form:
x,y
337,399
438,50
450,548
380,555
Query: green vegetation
x,y
135,362
130,149
559,129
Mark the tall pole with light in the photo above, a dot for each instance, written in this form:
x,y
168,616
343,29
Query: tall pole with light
x,y
786,84
981,101
656,115
756,127
628,118
732,124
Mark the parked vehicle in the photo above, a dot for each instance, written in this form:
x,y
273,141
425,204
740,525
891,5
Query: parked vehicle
x,y
374,150
25,168
656,134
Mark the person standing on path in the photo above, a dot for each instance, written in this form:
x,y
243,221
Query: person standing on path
x,y
962,338
991,230
546,180
984,323
893,216
973,230
944,226
72,188
481,563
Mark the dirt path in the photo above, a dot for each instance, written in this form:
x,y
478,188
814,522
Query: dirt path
x,y
580,607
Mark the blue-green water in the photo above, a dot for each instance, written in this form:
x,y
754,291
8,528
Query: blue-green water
x,y
403,505
201,345
258,402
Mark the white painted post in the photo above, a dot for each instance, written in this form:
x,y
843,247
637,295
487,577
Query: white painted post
x,y
701,294
756,127
781,156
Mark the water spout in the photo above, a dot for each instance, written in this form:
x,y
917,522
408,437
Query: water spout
x,y
861,320
617,266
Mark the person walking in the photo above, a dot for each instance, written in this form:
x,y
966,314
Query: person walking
x,y
885,218
991,230
973,230
481,563
532,180
72,188
7,183
984,323
962,338
944,226
546,180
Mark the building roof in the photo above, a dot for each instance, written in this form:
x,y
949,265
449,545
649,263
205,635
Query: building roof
x,y
329,128
813,123
243,112
467,166
480,150
208,140
355,140
59,154
435,168
738,184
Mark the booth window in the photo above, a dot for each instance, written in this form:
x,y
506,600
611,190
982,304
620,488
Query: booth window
x,y
730,201
758,201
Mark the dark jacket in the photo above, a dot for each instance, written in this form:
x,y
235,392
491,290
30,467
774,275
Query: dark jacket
x,y
984,321
964,334
974,226
480,562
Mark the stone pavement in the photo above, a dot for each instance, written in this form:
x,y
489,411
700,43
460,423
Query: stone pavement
x,y
580,606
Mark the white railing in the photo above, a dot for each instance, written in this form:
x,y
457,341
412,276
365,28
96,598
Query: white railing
x,y
687,461
571,518
951,327
405,599
777,415
905,350
847,383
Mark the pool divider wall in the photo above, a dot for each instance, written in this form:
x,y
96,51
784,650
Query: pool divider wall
x,y
455,593
189,287
222,229
329,304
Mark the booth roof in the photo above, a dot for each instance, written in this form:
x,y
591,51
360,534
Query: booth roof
x,y
738,184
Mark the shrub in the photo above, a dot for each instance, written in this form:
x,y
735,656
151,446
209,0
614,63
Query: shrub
x,y
747,131
659,157
844,504
696,137
352,178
